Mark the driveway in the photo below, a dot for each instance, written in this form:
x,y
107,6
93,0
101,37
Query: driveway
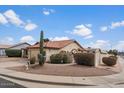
x,y
10,62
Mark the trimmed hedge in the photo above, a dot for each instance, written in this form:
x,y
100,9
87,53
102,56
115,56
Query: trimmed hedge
x,y
61,58
13,53
110,61
84,59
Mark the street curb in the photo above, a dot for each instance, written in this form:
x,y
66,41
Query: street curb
x,y
47,82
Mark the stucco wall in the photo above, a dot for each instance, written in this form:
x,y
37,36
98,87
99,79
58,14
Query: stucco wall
x,y
98,58
49,52
33,53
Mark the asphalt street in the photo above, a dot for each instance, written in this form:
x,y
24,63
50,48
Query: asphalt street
x,y
8,84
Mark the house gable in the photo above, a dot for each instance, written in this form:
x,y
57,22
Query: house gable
x,y
20,46
71,46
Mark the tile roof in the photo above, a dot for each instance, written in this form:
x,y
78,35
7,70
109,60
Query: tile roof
x,y
54,44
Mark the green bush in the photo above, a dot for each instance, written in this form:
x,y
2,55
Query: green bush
x,y
61,58
32,60
13,53
84,59
56,58
110,61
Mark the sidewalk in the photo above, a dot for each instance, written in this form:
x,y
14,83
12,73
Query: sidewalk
x,y
108,81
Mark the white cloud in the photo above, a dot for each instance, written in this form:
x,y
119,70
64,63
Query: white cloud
x,y
104,28
27,38
59,38
89,25
13,18
117,24
10,16
103,44
3,20
48,11
7,40
88,37
82,30
113,25
30,26
120,46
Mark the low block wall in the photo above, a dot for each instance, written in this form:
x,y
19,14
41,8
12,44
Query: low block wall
x,y
98,57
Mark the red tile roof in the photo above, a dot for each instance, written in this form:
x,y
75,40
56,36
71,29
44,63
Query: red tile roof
x,y
55,44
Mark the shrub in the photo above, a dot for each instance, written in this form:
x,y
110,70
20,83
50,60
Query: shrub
x,y
56,58
61,58
110,61
66,56
13,53
65,59
32,60
84,59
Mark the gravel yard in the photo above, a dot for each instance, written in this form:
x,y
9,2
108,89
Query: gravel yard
x,y
69,70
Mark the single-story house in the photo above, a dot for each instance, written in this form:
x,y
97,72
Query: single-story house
x,y
2,49
53,47
21,46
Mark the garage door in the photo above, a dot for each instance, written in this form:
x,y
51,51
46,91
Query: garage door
x,y
2,52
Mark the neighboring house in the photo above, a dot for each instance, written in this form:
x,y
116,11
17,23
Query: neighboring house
x,y
2,49
53,47
21,46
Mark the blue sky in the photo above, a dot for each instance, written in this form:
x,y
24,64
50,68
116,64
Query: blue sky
x,y
92,26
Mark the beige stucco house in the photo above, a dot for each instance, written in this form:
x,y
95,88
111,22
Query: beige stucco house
x,y
53,47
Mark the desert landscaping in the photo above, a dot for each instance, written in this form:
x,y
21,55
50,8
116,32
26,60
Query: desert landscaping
x,y
64,58
53,46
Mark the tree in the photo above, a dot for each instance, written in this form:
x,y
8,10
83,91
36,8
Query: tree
x,y
114,52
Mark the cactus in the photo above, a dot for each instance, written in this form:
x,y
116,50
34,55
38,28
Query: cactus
x,y
41,56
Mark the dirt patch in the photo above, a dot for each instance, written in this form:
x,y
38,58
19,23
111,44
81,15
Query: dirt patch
x,y
66,70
